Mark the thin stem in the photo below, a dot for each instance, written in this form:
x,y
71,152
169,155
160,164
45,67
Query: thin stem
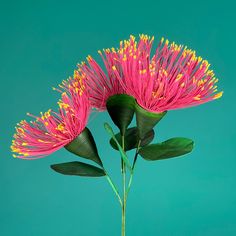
x,y
124,191
114,188
129,186
123,218
131,175
136,154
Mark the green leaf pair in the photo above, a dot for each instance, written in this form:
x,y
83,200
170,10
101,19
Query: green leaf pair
x,y
78,168
83,146
121,109
132,139
122,152
168,149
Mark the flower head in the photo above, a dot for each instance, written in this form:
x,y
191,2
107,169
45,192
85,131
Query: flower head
x,y
101,85
53,130
174,77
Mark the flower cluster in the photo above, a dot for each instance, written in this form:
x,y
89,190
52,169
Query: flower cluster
x,y
53,130
173,77
101,85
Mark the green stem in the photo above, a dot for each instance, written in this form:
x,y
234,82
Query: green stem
x,y
123,217
136,154
129,186
114,188
124,191
131,175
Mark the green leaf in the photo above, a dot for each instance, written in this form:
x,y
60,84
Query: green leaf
x,y
146,120
123,154
132,139
85,146
171,148
121,110
78,168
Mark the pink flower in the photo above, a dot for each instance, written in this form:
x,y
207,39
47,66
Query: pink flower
x,y
174,77
101,85
53,130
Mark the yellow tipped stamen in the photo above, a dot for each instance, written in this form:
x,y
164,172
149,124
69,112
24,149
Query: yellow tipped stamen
x,y
63,105
199,59
218,95
124,57
42,141
114,68
200,83
89,58
197,98
47,114
141,72
132,37
20,130
60,127
179,77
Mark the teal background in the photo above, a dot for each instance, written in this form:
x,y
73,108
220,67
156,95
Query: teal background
x,y
40,44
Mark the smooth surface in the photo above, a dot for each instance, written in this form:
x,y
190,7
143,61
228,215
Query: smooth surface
x,y
40,44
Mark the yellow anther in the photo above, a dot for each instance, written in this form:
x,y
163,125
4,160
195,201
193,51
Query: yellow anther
x,y
199,59
89,58
163,72
42,141
114,68
218,95
132,37
197,97
200,82
210,73
24,144
20,130
179,77
141,72
47,114
60,127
